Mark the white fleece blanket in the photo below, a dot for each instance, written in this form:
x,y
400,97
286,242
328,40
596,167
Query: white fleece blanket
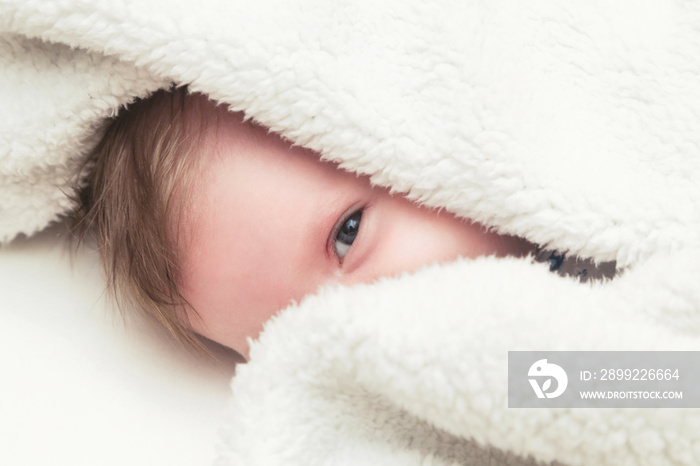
x,y
574,124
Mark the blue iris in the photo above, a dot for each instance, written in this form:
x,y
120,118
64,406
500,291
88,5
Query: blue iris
x,y
348,230
555,261
346,234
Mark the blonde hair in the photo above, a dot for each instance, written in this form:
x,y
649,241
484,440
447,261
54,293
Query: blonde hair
x,y
135,190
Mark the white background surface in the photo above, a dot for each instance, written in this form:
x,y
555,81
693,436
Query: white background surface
x,y
78,386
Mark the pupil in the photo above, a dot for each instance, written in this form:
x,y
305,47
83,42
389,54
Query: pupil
x,y
351,225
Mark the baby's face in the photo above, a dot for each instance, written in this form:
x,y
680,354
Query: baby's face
x,y
275,223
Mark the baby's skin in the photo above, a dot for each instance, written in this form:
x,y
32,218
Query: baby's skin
x,y
274,223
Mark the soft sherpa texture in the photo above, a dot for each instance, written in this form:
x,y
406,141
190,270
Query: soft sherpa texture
x,y
573,124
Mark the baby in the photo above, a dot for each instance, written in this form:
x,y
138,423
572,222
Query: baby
x,y
211,224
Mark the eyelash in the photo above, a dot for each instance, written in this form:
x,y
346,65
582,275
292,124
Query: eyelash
x,y
336,230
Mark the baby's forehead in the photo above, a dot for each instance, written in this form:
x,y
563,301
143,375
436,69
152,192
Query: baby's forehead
x,y
221,135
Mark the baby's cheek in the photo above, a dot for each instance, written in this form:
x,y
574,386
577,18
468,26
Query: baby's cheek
x,y
410,237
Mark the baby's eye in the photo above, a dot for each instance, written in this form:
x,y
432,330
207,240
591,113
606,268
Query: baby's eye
x,y
344,234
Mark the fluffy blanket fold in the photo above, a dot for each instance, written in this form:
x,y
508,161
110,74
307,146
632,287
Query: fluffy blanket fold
x,y
573,124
